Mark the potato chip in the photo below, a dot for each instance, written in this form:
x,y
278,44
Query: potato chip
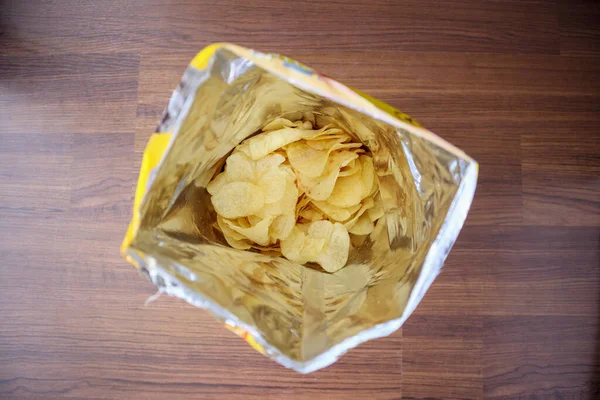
x,y
348,191
367,204
305,159
363,226
320,230
335,253
311,214
273,184
280,123
217,183
368,174
310,117
350,169
254,219
238,199
336,213
282,227
233,238
299,247
243,222
260,146
377,211
320,188
258,233
239,168
268,162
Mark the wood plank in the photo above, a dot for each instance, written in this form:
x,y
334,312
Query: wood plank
x,y
492,26
562,189
549,356
442,357
579,31
68,93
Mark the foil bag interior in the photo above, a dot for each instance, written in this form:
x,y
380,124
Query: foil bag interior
x,y
302,317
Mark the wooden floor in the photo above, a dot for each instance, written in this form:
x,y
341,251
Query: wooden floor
x,y
516,312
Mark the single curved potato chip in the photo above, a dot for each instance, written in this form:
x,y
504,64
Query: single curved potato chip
x,y
320,230
320,188
287,203
363,226
348,191
310,117
367,174
233,238
261,145
239,168
282,227
217,183
336,213
238,199
258,233
367,204
377,211
269,162
272,184
327,142
291,246
350,169
306,160
335,253
311,214
280,123
243,222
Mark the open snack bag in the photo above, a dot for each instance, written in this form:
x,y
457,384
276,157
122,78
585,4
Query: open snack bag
x,y
308,216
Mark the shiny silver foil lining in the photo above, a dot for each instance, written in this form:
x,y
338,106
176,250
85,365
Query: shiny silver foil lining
x,y
302,317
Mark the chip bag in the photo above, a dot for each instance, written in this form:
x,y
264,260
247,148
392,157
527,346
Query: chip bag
x,y
402,206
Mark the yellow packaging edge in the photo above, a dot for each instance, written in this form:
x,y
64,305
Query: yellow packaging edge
x,y
153,153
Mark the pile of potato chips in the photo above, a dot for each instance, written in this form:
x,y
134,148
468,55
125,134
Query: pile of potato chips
x,y
297,190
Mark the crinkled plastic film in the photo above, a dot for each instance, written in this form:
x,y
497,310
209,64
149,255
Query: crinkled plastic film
x,y
302,317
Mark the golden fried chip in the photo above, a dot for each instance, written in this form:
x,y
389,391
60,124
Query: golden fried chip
x,y
363,226
336,213
261,145
217,183
299,247
233,238
273,184
335,253
269,162
310,117
367,204
306,160
320,230
377,211
238,199
239,168
350,169
282,227
368,174
258,233
280,123
328,141
311,214
320,188
348,191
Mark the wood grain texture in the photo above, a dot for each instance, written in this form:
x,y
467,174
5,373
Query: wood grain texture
x,y
515,313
